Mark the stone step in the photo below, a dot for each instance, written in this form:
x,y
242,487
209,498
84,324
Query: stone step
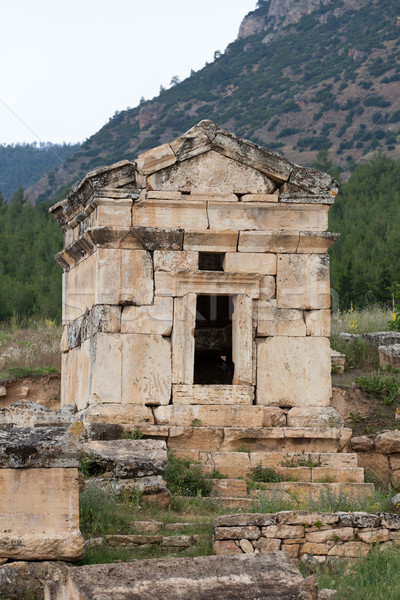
x,y
304,491
259,439
230,488
235,465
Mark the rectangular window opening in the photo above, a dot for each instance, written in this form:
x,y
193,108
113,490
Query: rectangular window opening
x,y
213,341
211,261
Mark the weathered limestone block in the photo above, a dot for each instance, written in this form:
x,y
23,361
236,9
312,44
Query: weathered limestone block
x,y
267,545
293,371
269,217
213,394
25,413
250,262
211,172
283,531
338,361
195,141
146,369
123,276
250,532
311,243
111,212
303,281
246,546
362,443
148,238
21,579
155,319
337,475
388,442
155,159
376,464
183,339
40,447
317,416
350,550
100,319
297,517
264,241
318,322
164,195
3,391
210,241
383,338
105,355
227,548
128,458
128,414
360,520
167,260
389,355
279,321
190,214
213,416
372,536
230,488
261,197
267,288
243,347
207,283
314,182
232,465
39,517
344,534
201,438
237,577
79,289
211,196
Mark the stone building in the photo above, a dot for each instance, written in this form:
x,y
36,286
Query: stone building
x,y
196,294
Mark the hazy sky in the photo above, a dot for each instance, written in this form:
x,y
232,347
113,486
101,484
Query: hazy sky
x,y
67,66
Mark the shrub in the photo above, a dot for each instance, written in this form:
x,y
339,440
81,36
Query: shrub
x,y
264,474
184,478
102,511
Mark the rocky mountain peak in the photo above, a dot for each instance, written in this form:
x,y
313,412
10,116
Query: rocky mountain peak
x,y
279,14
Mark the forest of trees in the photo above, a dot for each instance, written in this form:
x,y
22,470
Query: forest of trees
x,y
365,262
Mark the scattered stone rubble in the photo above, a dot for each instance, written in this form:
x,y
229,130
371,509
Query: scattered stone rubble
x,y
301,534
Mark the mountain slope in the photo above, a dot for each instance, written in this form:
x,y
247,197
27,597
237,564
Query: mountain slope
x,y
303,75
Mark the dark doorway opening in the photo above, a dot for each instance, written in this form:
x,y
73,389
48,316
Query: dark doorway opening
x,y
213,341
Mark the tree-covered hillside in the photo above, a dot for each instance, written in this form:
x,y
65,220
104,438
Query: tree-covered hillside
x,y
365,261
30,278
21,165
328,79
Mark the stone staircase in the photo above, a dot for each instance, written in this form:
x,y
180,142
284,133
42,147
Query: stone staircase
x,y
308,459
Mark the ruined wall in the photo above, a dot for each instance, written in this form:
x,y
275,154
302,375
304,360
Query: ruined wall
x,y
135,235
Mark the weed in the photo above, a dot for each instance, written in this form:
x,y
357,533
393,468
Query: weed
x,y
383,386
218,475
264,474
184,478
302,460
318,524
19,372
368,430
355,417
196,423
243,449
102,512
371,578
134,434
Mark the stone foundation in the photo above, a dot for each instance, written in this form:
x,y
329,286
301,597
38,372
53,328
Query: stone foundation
x,y
299,534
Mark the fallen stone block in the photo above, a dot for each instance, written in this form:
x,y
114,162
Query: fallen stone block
x,y
389,355
270,576
127,458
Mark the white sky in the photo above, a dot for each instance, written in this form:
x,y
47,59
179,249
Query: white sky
x,y
67,65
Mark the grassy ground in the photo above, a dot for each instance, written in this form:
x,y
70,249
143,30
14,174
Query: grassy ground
x,y
33,349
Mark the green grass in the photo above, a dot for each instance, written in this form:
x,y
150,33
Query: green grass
x,y
365,320
376,577
20,372
183,478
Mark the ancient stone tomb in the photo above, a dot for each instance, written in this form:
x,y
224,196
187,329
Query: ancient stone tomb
x,y
196,285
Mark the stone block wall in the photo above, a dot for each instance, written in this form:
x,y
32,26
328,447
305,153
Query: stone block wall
x,y
300,534
135,236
